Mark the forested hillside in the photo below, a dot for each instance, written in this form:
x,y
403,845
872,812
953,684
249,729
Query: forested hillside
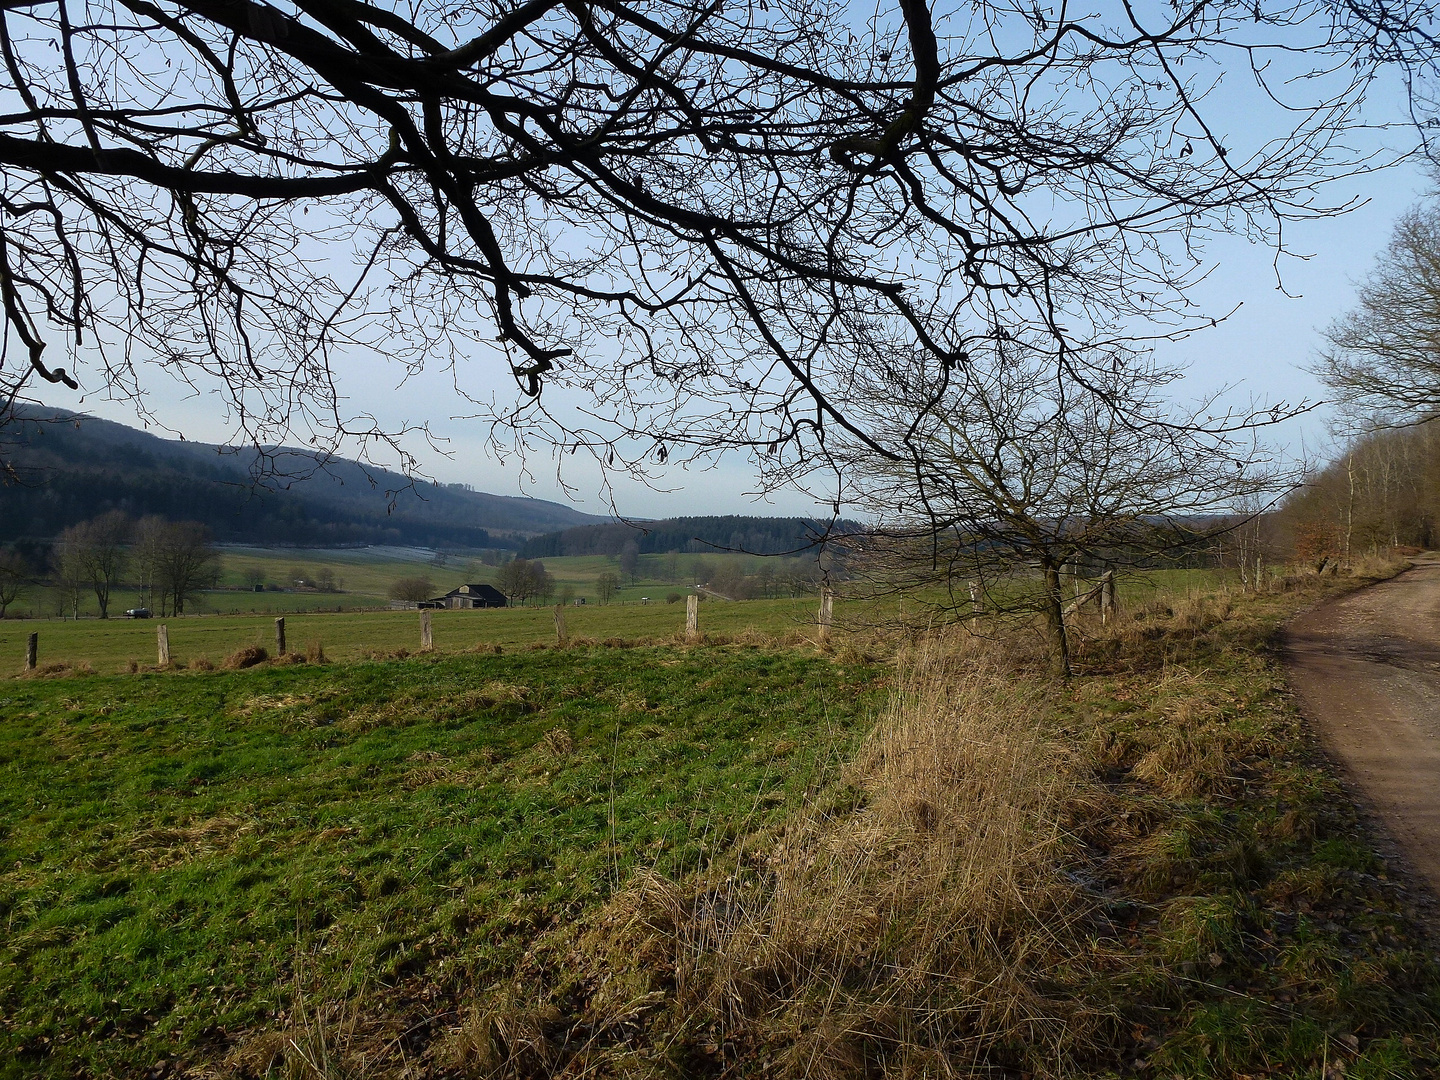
x,y
755,535
65,468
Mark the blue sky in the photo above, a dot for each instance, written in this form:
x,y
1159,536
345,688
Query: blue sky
x,y
1262,350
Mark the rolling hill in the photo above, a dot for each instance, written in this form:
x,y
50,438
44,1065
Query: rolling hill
x,y
66,467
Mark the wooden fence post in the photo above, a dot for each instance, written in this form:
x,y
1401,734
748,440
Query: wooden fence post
x,y
692,617
32,649
162,644
560,635
427,640
280,637
827,610
977,607
1107,595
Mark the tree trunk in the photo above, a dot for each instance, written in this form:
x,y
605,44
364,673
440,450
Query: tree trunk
x,y
1055,620
1350,505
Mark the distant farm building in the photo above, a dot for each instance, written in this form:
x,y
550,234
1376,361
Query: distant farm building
x,y
469,596
462,596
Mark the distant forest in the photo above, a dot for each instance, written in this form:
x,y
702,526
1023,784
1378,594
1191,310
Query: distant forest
x,y
1381,490
62,468
755,535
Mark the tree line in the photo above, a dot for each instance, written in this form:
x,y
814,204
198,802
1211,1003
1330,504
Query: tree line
x,y
168,562
687,535
1381,360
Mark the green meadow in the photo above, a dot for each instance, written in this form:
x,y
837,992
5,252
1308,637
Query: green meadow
x,y
112,644
365,626
364,576
186,856
395,863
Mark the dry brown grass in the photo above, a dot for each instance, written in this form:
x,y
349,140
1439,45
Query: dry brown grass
x,y
318,1040
59,669
403,711
246,656
170,845
924,931
432,767
558,743
1378,566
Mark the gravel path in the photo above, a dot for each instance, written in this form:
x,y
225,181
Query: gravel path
x,y
1366,668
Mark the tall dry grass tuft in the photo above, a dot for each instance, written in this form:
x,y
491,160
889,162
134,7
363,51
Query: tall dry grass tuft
x,y
928,929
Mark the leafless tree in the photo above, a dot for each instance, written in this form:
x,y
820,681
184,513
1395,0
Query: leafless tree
x,y
189,562
629,561
14,578
522,580
606,586
146,560
1381,489
176,560
412,589
1383,358
701,216
1004,478
72,569
95,553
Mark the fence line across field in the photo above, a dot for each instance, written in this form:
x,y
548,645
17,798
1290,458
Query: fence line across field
x,y
824,622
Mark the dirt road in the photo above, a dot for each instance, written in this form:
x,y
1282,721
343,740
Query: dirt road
x,y
1366,668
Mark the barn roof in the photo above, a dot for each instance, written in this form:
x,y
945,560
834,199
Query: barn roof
x,y
481,591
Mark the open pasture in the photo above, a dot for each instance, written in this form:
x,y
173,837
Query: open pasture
x,y
405,866
184,857
111,645
364,576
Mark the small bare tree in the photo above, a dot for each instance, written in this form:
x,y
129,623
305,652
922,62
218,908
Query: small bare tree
x,y
606,586
96,552
72,569
146,559
1008,479
175,559
522,580
412,589
15,575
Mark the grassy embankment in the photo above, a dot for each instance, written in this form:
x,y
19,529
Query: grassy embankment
x,y
668,861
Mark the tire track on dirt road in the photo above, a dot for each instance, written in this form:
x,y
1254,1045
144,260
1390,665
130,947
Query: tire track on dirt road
x,y
1366,670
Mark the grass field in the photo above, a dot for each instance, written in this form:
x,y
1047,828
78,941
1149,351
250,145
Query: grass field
x,y
364,577
112,644
665,860
187,856
311,618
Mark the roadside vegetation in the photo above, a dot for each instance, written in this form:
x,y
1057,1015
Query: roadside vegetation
x,y
913,853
